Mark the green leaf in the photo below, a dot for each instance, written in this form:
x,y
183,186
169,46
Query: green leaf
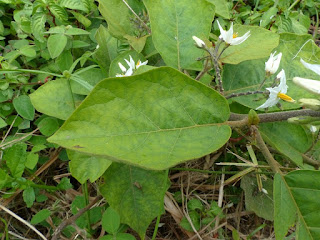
x,y
290,139
15,158
259,202
64,184
38,21
82,19
173,24
137,43
84,167
65,60
48,126
221,8
2,123
76,31
24,107
55,99
258,45
4,178
56,43
29,196
32,160
28,51
74,4
104,53
119,17
195,219
58,12
110,221
296,199
148,120
40,216
136,194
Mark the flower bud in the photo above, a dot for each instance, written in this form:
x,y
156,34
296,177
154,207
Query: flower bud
x,y
199,42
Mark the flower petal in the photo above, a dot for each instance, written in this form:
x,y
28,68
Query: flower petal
x,y
313,67
239,40
123,69
308,84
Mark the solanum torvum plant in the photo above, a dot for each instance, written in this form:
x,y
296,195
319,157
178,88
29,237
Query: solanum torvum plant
x,y
184,89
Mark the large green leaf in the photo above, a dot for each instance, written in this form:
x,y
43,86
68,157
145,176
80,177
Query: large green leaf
x,y
136,194
296,199
15,158
289,139
55,99
248,75
84,167
258,45
155,120
173,24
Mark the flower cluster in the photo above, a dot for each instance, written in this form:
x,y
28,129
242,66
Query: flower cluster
x,y
272,65
132,66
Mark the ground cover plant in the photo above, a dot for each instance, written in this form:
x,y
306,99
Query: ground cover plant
x,y
159,119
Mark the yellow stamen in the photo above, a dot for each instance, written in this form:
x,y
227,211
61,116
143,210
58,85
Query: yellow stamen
x,y
285,97
235,35
138,63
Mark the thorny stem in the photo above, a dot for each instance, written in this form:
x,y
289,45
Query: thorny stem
x,y
265,151
222,51
265,78
214,60
245,94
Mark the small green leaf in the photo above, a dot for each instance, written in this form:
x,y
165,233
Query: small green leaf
x,y
56,43
82,19
64,184
135,194
15,158
195,219
76,31
40,216
74,4
65,60
28,51
2,123
221,8
84,167
38,21
48,126
4,178
24,107
29,196
58,12
110,221
32,160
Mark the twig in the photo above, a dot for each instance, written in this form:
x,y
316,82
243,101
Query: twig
x,y
204,70
244,94
265,151
310,161
220,198
73,218
143,23
23,221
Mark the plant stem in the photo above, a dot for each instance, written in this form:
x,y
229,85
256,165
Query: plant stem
x,y
244,94
214,60
204,70
293,4
86,198
265,151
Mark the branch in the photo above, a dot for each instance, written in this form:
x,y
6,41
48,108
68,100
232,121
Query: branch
x,y
73,218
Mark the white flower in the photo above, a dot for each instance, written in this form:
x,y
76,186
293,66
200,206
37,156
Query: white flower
x,y
313,67
199,42
308,84
272,65
132,67
277,93
123,69
139,64
313,128
232,38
